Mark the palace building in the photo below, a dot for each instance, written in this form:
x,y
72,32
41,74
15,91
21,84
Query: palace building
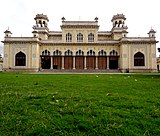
x,y
80,46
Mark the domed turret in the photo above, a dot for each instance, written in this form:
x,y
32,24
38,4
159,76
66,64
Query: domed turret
x,y
41,20
41,28
35,33
119,29
118,20
8,33
152,33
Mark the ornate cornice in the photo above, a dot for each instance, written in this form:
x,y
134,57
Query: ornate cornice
x,y
80,26
80,44
139,42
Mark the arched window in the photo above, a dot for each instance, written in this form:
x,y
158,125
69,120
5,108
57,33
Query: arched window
x,y
40,22
68,37
20,59
113,53
68,53
116,24
79,53
139,59
79,37
57,53
46,52
90,53
102,53
91,37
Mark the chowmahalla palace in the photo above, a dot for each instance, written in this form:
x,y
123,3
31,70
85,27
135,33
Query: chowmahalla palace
x,y
80,46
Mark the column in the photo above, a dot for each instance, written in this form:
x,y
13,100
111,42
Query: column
x,y
51,63
62,62
40,63
74,62
85,66
96,62
107,62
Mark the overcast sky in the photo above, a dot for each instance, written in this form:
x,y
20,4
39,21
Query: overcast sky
x,y
18,15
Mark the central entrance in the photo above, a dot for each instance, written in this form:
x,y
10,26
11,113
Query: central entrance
x,y
79,62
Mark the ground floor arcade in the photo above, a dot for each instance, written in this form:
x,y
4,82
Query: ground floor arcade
x,y
79,62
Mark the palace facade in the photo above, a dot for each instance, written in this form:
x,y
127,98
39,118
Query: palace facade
x,y
80,46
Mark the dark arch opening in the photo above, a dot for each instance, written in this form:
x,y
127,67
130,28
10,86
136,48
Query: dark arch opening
x,y
139,59
20,59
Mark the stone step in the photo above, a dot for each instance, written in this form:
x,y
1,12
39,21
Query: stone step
x,y
79,71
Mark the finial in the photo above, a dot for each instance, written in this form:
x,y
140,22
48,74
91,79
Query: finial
x,y
63,19
96,19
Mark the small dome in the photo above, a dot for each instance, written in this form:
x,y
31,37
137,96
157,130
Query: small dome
x,y
34,32
152,31
118,16
41,16
7,31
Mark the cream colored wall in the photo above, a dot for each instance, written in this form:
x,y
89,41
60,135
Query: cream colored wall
x,y
55,38
104,38
124,63
30,50
117,36
43,36
6,56
35,56
128,51
1,65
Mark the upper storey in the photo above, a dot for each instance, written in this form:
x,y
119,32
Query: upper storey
x,y
80,32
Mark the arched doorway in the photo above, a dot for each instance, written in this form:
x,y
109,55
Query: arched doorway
x,y
68,59
20,59
102,59
91,60
45,60
79,59
139,59
57,59
113,60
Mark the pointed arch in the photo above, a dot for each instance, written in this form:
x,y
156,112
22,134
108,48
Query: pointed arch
x,y
57,53
139,59
68,53
80,37
91,37
79,53
102,53
20,59
68,37
46,52
90,53
113,53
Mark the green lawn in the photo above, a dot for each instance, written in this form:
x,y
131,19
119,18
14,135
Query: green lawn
x,y
79,104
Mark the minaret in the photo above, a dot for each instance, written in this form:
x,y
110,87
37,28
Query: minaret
x,y
8,33
119,29
41,26
151,33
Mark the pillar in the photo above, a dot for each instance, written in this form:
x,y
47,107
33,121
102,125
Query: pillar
x,y
74,62
85,63
107,62
62,62
51,63
96,62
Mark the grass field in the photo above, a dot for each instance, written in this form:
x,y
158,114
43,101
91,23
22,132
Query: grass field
x,y
79,104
